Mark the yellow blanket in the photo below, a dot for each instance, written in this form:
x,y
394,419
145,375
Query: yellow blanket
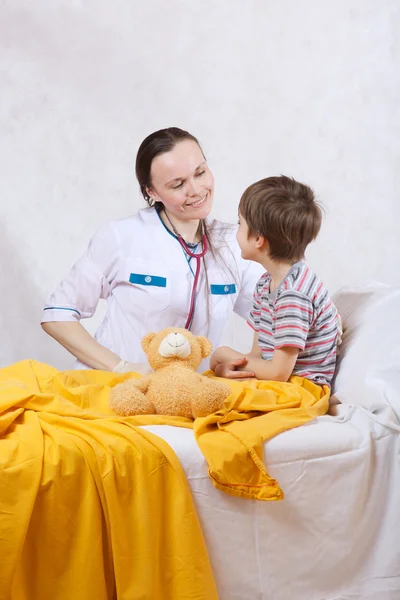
x,y
232,439
90,504
91,507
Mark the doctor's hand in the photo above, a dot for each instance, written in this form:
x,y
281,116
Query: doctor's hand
x,y
127,367
233,369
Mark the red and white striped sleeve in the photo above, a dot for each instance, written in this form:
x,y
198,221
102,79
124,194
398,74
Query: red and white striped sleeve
x,y
293,318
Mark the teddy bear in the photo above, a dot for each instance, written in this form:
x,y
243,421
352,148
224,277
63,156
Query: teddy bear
x,y
175,387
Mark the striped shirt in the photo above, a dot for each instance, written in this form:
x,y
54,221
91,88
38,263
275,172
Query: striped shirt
x,y
300,314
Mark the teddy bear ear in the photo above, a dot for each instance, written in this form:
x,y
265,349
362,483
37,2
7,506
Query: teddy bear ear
x,y
146,341
206,346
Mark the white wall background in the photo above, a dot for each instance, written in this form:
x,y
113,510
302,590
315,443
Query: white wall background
x,y
306,88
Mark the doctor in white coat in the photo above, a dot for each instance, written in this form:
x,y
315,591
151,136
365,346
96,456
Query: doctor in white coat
x,y
170,265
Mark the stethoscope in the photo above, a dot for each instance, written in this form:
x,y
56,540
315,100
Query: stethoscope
x,y
198,257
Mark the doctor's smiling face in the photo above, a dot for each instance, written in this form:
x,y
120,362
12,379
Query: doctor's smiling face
x,y
182,181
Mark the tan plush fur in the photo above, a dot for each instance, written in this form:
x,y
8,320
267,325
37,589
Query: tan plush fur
x,y
175,388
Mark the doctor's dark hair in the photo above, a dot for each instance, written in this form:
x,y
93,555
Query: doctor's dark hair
x,y
285,213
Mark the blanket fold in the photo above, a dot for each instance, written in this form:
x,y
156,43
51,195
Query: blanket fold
x,y
232,438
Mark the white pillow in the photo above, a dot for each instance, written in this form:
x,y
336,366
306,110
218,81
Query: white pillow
x,y
368,371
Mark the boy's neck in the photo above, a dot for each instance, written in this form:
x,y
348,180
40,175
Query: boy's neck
x,y
278,271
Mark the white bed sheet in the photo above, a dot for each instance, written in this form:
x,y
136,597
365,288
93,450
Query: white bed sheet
x,y
335,536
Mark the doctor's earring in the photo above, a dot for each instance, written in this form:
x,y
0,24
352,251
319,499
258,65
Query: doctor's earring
x,y
154,203
150,201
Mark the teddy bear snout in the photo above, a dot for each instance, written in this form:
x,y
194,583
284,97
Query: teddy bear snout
x,y
174,344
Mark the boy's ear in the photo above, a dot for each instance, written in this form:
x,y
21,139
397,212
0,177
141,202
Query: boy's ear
x,y
261,242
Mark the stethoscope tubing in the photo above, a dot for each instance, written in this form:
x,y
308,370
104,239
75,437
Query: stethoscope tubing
x,y
198,258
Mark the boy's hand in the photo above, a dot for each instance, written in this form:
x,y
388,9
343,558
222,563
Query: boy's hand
x,y
230,369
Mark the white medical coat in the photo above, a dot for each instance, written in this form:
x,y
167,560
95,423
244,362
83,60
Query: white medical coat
x,y
143,273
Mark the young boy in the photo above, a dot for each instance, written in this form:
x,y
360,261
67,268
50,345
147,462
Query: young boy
x,y
296,326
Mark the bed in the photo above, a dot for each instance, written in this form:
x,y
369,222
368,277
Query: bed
x,y
97,507
335,536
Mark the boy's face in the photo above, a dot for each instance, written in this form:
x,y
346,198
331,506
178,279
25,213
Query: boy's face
x,y
247,244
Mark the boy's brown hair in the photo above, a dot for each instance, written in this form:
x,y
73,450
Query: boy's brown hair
x,y
283,211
